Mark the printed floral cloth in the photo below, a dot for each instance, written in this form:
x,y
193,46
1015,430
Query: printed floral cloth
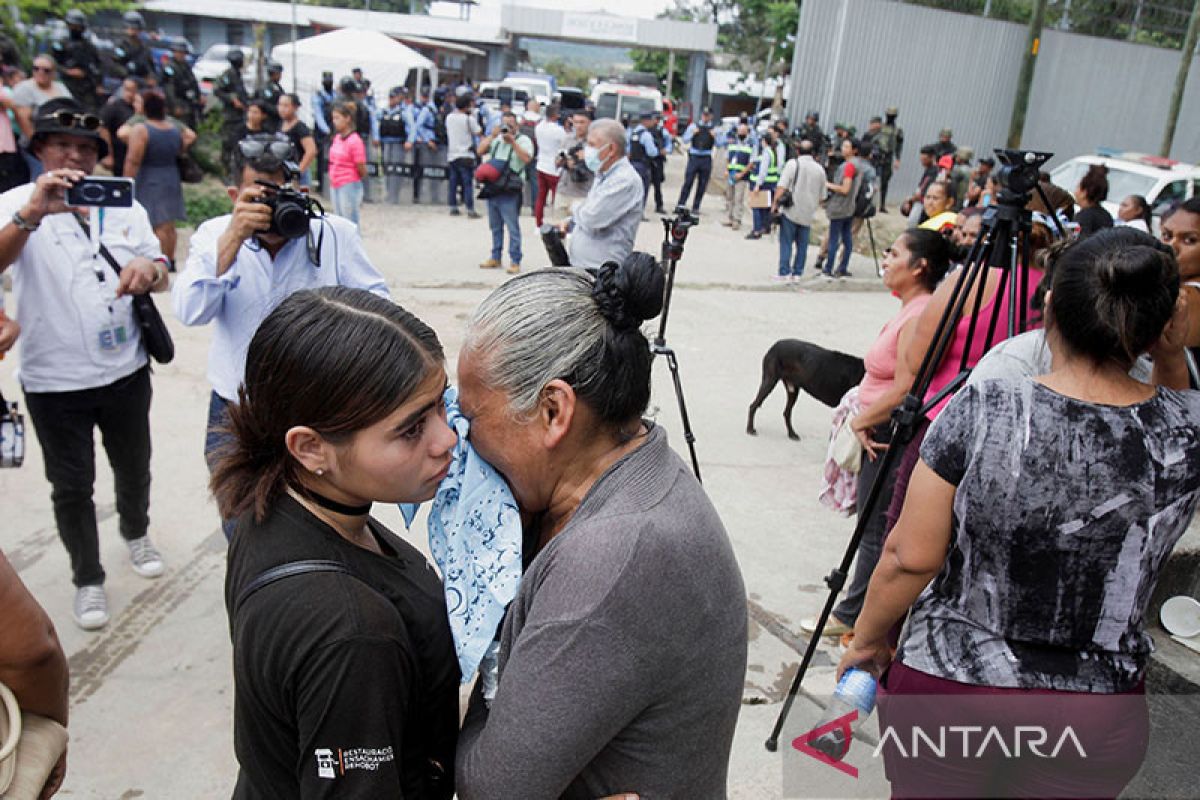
x,y
839,487
475,538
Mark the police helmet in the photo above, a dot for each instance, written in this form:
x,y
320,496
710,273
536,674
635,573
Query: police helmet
x,y
134,20
236,57
274,66
181,45
75,17
348,85
813,115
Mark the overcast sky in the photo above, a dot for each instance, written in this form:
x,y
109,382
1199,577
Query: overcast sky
x,y
489,10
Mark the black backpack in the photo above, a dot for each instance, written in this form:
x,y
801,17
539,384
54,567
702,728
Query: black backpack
x,y
864,201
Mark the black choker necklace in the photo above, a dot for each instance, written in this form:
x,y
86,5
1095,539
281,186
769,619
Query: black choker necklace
x,y
334,506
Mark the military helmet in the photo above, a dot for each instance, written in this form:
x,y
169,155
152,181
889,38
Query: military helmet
x,y
946,132
892,111
76,17
181,45
236,57
274,66
134,20
348,85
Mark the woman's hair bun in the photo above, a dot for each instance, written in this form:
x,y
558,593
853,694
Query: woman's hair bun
x,y
629,293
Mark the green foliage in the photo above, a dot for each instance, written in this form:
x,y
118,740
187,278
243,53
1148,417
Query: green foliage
x,y
203,201
38,10
207,149
657,62
567,74
750,30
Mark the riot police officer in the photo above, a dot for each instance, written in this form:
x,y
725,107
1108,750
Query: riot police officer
x,y
180,86
270,92
231,91
79,62
131,52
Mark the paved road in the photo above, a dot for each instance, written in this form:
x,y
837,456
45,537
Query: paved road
x,y
151,694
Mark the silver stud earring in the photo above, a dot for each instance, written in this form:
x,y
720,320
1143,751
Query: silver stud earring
x,y
320,472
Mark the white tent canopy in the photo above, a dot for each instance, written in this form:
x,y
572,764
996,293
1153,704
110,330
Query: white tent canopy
x,y
385,61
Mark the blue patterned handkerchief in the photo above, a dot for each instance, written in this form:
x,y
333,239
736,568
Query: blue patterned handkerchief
x,y
475,538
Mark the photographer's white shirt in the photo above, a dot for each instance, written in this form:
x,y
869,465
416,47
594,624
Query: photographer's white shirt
x,y
254,285
551,137
75,332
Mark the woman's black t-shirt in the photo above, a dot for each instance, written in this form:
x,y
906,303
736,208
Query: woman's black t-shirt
x,y
346,685
1092,219
297,134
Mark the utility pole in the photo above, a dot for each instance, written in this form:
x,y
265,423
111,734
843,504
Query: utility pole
x,y
1185,65
1016,127
294,47
670,74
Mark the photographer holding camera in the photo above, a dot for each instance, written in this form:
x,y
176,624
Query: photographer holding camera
x,y
575,179
241,265
604,225
82,363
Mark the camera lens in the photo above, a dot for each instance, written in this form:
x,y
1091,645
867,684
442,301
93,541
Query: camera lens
x,y
290,219
91,192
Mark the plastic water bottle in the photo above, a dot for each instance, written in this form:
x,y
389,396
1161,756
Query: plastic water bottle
x,y
854,692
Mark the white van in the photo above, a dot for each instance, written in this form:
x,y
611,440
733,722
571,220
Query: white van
x,y
620,100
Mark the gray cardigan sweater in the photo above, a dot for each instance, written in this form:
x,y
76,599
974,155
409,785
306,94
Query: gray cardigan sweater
x,y
624,653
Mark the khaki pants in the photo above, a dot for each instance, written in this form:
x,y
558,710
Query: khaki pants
x,y
735,202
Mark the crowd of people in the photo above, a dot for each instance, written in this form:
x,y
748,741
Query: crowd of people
x,y
1060,477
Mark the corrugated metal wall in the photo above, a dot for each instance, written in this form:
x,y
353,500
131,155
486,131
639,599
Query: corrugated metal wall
x,y
959,71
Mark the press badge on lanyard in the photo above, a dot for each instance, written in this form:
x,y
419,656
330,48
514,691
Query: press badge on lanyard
x,y
114,336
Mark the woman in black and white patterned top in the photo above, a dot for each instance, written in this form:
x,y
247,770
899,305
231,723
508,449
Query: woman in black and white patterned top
x,y
1033,534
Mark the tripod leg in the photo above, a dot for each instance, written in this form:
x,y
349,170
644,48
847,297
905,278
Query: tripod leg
x,y
688,436
874,250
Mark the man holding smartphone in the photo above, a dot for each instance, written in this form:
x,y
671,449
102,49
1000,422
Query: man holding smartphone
x,y
82,363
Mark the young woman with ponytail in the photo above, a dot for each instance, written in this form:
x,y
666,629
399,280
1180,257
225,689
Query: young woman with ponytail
x,y
345,675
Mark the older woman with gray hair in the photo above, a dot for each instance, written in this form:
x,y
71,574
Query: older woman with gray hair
x,y
623,655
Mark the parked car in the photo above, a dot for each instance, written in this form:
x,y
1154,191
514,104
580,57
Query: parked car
x,y
1161,181
215,61
571,98
492,93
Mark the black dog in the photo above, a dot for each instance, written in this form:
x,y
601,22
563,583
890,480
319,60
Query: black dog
x,y
825,374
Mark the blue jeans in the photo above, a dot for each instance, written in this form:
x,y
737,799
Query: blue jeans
x,y
347,199
790,233
840,234
504,210
216,437
462,177
762,219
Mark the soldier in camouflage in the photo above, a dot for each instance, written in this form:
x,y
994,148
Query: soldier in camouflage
x,y
131,52
270,92
231,91
889,144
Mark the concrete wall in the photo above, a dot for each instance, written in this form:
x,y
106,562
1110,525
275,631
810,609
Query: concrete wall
x,y
854,58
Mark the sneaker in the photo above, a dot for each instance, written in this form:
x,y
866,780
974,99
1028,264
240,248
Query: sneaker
x,y
491,263
779,278
833,626
472,214
145,557
91,607
513,268
754,235
454,212
727,223
796,277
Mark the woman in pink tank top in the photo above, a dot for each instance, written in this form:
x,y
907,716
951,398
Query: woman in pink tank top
x,y
912,269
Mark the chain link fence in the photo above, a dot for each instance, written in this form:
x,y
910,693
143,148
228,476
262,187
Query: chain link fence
x,y
1162,23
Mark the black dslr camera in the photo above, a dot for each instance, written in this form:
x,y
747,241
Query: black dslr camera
x,y
572,161
291,209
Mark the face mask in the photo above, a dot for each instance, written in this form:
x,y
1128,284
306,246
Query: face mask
x,y
591,157
76,34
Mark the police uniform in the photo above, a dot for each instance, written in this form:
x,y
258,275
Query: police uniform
x,y
658,166
701,139
640,156
230,87
393,133
811,132
79,54
182,91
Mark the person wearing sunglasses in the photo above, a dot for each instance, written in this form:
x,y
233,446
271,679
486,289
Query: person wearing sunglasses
x,y
240,267
28,95
82,364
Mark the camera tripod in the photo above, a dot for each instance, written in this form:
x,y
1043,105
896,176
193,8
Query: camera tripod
x,y
675,231
1003,243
